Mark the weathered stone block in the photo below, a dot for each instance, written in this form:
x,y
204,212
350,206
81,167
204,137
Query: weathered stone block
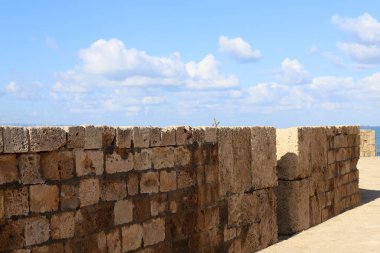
x,y
182,156
143,159
12,234
89,191
69,197
62,225
16,201
183,135
1,140
211,134
124,136
75,136
149,182
155,136
141,211
29,165
37,230
54,247
168,181
2,210
8,169
293,206
119,162
57,165
158,204
186,178
133,184
163,157
113,241
89,162
46,138
113,189
43,198
154,231
141,137
131,237
93,137
16,140
263,166
208,219
123,212
108,136
168,136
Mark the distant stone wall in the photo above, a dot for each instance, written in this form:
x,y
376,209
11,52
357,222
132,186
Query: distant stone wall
x,y
367,143
317,175
135,189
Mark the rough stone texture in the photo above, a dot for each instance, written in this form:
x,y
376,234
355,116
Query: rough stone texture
x,y
46,138
367,143
168,136
293,206
116,162
16,140
141,137
37,230
153,231
12,234
2,211
93,137
163,157
132,237
124,137
113,241
89,192
183,135
57,165
75,136
123,212
1,140
108,136
8,169
69,198
149,182
89,162
168,181
113,189
143,159
29,165
16,201
133,184
43,198
62,225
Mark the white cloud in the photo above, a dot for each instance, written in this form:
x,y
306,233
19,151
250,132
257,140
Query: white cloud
x,y
238,49
360,52
313,49
292,72
31,91
12,87
365,27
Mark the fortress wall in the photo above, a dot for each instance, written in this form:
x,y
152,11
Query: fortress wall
x,y
137,189
367,143
317,173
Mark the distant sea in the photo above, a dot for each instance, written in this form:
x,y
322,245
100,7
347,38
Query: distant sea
x,y
377,133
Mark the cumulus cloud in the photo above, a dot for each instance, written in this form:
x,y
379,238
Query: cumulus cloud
x,y
239,49
28,91
365,27
293,72
360,52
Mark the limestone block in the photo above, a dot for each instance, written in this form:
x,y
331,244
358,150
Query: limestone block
x,y
133,184
340,141
69,198
29,165
93,137
89,192
211,134
123,212
211,174
155,136
124,137
113,189
168,181
293,206
1,140
186,178
16,201
149,182
263,162
183,135
12,234
168,136
108,136
89,162
46,138
62,225
43,198
54,247
154,231
132,237
37,230
57,165
226,160
163,157
113,241
143,159
16,139
141,137
119,162
75,136
141,211
182,156
315,210
198,135
208,219
8,169
158,204
229,233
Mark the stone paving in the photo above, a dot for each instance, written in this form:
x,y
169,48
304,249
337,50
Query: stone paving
x,y
355,231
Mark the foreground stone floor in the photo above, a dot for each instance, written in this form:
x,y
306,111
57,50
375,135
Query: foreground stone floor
x,y
355,231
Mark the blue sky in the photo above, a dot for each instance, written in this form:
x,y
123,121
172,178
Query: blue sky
x,y
279,63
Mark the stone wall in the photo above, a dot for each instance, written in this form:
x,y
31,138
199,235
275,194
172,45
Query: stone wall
x,y
317,174
367,143
134,189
